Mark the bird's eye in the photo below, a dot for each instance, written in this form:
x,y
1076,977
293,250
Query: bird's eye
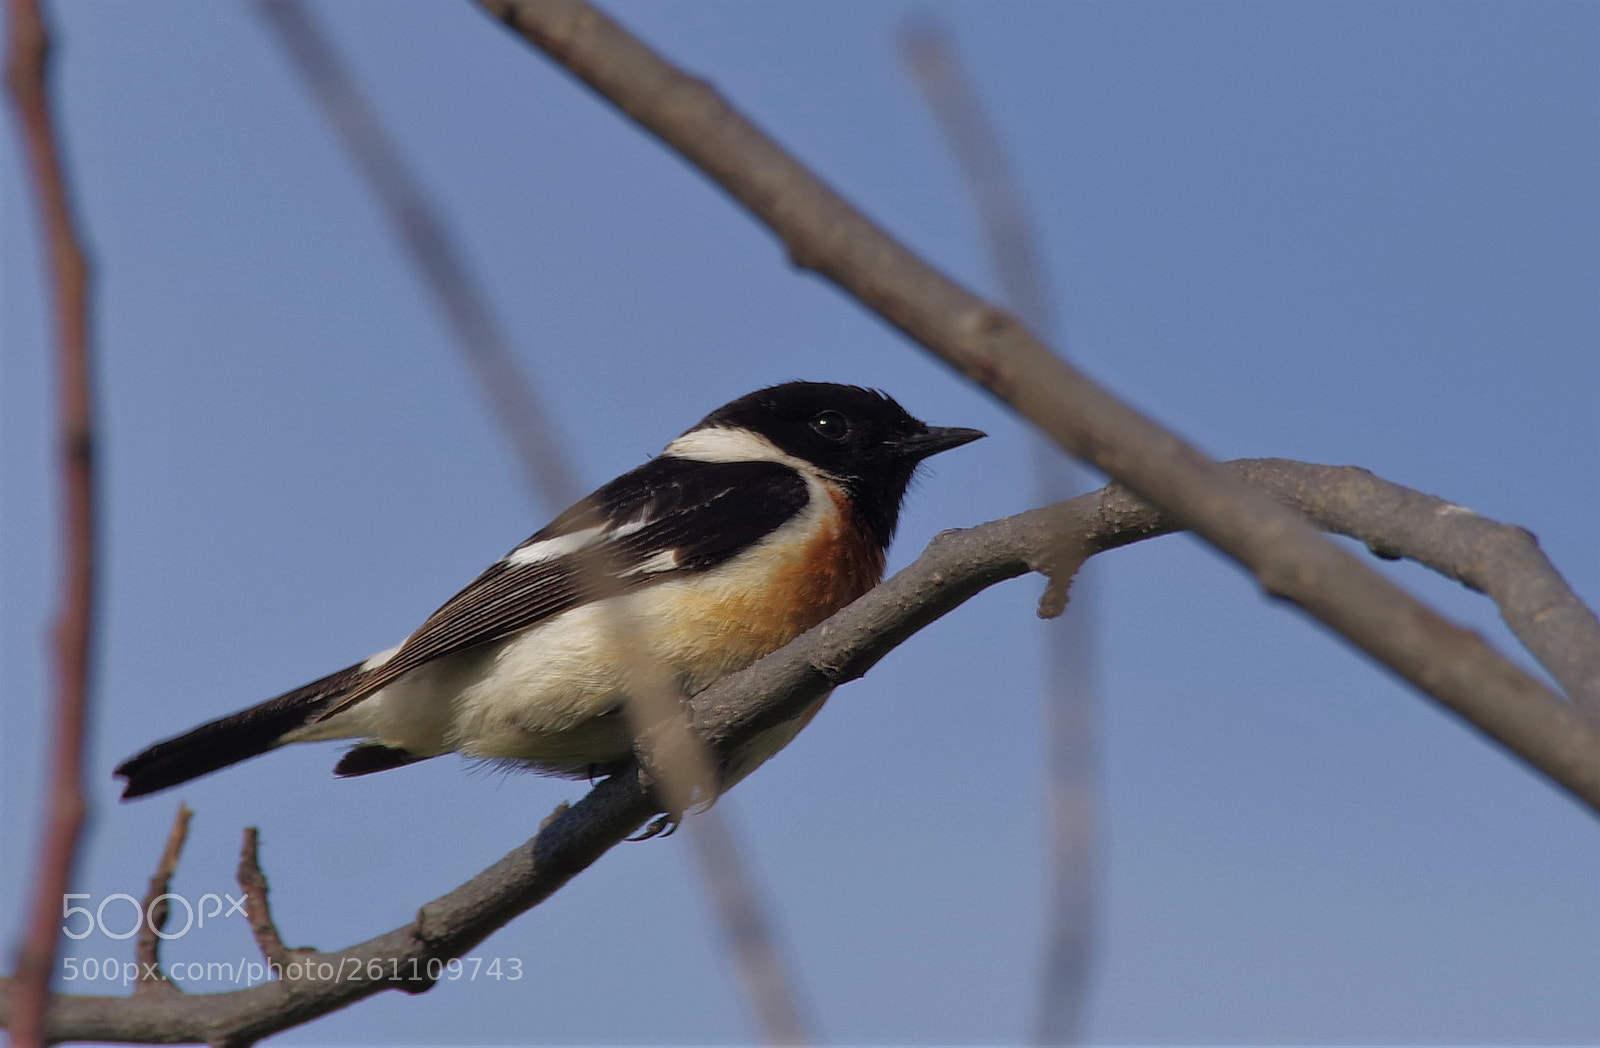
x,y
831,424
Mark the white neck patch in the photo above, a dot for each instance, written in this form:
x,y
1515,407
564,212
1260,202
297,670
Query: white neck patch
x,y
730,444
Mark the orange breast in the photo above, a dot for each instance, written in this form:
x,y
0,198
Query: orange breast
x,y
838,565
763,600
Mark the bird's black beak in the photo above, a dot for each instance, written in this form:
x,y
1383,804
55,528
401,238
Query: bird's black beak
x,y
935,439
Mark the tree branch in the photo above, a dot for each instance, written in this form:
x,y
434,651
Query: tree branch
x,y
955,566
1499,560
257,910
66,806
655,705
1070,700
824,233
147,950
1386,517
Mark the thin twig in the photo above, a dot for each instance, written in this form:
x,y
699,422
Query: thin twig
x,y
1069,692
66,806
683,774
256,908
955,566
147,948
1290,560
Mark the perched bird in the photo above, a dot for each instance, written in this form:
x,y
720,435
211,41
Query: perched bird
x,y
768,516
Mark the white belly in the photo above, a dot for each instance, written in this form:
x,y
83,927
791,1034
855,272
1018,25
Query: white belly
x,y
552,695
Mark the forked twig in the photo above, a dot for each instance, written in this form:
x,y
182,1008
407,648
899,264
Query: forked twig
x,y
256,908
147,949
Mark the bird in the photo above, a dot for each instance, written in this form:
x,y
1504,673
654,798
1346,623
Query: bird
x,y
763,519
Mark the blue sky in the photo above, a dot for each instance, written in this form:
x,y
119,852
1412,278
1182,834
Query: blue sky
x,y
1346,233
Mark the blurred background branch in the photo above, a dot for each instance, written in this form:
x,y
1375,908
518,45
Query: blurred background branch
x,y
66,807
1069,663
431,248
683,772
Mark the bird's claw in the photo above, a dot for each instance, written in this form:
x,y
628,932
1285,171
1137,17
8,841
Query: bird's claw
x,y
661,826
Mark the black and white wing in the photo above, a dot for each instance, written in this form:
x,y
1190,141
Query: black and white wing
x,y
669,517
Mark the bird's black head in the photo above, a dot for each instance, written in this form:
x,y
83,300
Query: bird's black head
x,y
861,437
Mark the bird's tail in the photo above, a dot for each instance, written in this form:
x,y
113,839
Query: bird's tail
x,y
231,739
